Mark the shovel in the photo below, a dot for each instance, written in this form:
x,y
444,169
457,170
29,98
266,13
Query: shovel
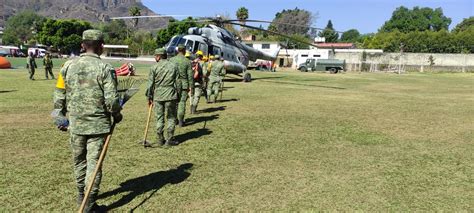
x,y
97,168
145,142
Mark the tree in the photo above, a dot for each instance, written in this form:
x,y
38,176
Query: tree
x,y
115,32
22,27
296,42
329,33
423,42
134,11
464,25
351,35
64,35
242,14
296,17
417,19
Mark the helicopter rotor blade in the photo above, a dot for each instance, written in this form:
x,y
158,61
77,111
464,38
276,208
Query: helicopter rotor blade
x,y
150,16
273,32
280,23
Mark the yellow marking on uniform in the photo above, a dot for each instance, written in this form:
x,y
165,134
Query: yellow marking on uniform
x,y
60,83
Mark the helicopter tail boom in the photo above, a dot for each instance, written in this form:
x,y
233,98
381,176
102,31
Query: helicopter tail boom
x,y
234,67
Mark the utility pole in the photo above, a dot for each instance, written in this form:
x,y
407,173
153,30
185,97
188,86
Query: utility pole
x,y
400,59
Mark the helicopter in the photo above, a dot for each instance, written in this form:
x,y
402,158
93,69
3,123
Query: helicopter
x,y
214,39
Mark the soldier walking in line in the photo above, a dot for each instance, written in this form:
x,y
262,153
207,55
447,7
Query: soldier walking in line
x,y
185,83
198,76
86,89
216,71
162,92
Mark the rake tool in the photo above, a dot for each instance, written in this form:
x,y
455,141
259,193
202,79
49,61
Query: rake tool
x,y
126,87
145,142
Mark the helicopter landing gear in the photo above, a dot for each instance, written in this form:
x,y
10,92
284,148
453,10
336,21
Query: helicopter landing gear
x,y
247,77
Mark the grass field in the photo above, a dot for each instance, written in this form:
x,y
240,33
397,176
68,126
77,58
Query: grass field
x,y
287,141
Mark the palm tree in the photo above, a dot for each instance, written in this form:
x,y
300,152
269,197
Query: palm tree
x,y
134,11
242,14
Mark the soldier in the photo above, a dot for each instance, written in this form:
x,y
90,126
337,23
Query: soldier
x,y
48,65
198,77
185,81
215,71
86,89
31,65
162,91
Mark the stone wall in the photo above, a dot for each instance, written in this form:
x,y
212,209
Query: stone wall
x,y
408,61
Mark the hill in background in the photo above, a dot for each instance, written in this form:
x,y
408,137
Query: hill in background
x,y
89,10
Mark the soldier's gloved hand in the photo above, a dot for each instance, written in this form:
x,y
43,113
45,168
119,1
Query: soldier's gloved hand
x,y
150,102
117,117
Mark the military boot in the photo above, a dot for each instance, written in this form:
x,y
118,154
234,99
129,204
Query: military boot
x,y
171,142
193,109
97,208
161,140
180,122
80,196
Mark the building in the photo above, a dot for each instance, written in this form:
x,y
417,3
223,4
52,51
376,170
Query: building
x,y
264,46
335,45
111,50
287,57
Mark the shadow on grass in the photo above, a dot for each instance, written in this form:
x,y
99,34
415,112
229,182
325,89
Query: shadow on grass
x,y
227,100
212,109
263,78
195,120
193,135
233,80
6,91
307,85
240,78
151,182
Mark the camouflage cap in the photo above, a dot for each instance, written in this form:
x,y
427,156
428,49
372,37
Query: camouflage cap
x,y
160,51
93,35
181,47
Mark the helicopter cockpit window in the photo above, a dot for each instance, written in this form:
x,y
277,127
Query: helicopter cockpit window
x,y
189,45
174,41
182,41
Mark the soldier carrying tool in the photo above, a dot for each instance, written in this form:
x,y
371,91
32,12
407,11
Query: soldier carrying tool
x,y
86,89
162,92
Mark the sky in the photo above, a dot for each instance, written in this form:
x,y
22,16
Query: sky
x,y
367,16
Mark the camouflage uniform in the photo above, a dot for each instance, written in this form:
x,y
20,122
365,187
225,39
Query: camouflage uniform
x,y
162,89
198,69
217,73
31,65
48,66
185,82
87,90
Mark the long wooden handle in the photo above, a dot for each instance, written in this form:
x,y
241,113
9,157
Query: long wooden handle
x,y
222,88
148,121
97,167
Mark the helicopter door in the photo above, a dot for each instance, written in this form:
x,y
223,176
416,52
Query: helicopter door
x,y
203,48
